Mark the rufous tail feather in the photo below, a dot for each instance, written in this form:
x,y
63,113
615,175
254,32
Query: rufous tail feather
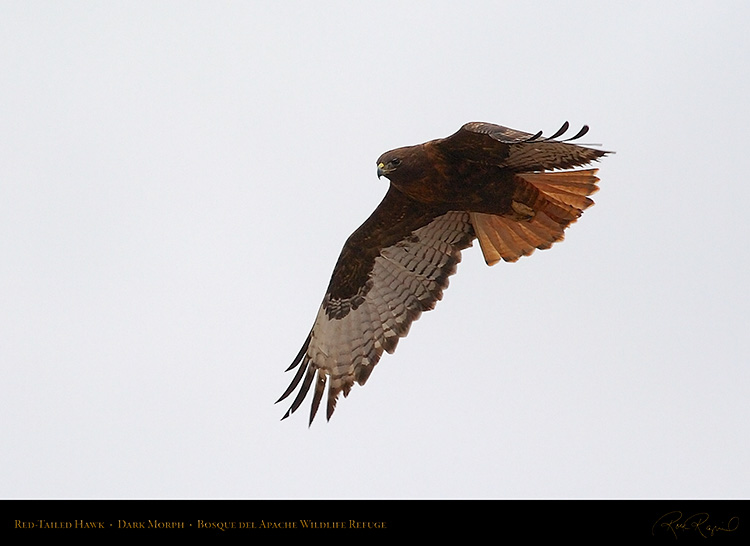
x,y
563,196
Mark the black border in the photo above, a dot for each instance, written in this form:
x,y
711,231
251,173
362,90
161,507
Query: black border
x,y
667,521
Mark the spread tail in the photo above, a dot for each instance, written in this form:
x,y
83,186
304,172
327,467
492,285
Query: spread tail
x,y
551,202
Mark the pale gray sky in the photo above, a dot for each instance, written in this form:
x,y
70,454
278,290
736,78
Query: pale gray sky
x,y
177,180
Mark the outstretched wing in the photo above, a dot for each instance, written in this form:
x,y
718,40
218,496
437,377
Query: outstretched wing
x,y
394,267
521,152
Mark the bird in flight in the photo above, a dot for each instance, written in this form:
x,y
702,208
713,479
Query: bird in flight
x,y
513,191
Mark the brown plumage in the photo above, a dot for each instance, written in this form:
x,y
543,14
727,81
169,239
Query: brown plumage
x,y
485,181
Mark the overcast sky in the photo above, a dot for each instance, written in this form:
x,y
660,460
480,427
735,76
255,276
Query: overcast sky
x,y
177,180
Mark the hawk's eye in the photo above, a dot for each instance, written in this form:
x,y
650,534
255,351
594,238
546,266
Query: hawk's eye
x,y
395,162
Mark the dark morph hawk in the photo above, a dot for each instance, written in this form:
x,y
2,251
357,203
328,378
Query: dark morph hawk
x,y
486,181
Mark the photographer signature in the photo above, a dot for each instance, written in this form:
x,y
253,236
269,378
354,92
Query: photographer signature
x,y
697,522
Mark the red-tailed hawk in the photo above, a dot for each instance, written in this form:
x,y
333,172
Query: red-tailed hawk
x,y
488,182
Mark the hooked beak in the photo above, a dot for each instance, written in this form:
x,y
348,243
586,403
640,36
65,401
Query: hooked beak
x,y
381,172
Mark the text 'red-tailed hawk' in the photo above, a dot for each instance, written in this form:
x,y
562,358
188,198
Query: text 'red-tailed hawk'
x,y
502,186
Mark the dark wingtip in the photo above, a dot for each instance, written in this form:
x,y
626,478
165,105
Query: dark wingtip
x,y
579,134
296,362
320,385
560,131
302,391
293,384
331,406
300,354
532,138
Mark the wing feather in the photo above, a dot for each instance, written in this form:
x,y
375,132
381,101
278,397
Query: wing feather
x,y
405,278
516,150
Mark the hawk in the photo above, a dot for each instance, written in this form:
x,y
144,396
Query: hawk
x,y
511,190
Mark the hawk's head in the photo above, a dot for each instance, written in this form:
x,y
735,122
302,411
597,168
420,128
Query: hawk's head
x,y
399,163
388,163
410,170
